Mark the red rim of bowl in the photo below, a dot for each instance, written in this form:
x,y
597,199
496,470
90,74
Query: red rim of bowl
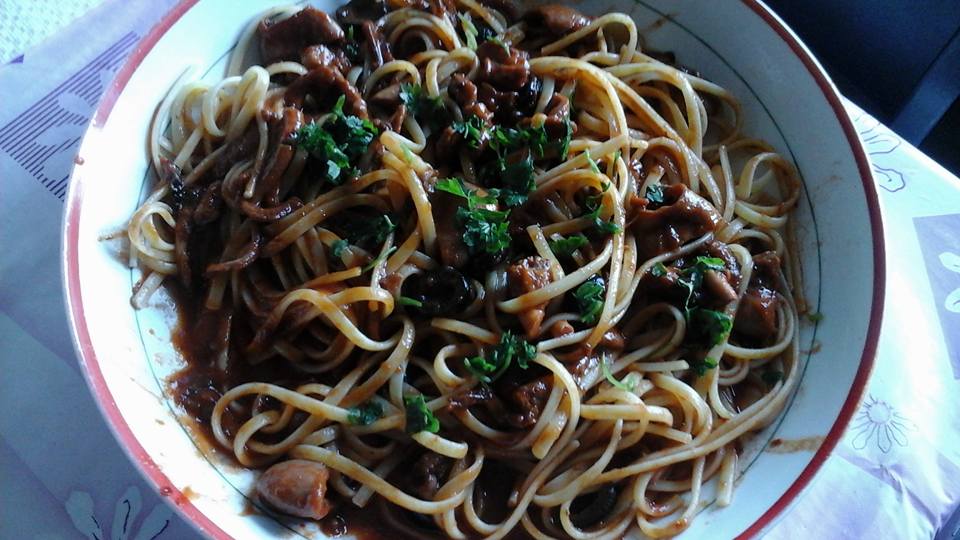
x,y
155,476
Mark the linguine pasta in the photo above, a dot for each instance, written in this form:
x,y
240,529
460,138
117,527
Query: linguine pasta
x,y
479,271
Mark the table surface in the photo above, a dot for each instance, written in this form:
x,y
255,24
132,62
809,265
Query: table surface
x,y
895,474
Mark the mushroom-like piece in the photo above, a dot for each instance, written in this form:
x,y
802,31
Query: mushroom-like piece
x,y
295,487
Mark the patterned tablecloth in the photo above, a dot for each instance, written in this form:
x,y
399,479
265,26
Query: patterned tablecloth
x,y
896,473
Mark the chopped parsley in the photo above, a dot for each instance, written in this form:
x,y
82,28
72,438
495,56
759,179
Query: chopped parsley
x,y
484,230
514,176
419,416
352,47
484,31
338,143
564,247
481,368
654,196
567,136
605,227
423,106
379,259
771,376
469,30
500,42
593,213
707,327
701,367
517,181
473,129
490,368
370,233
591,163
338,246
658,270
365,414
454,186
627,384
407,301
503,140
692,278
815,317
589,298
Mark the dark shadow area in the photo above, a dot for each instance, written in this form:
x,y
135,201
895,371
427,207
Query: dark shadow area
x,y
898,59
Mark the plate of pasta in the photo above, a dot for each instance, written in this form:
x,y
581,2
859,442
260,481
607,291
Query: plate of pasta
x,y
474,268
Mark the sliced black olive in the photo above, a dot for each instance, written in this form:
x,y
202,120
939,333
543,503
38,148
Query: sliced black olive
x,y
421,521
481,263
528,95
590,509
358,11
441,292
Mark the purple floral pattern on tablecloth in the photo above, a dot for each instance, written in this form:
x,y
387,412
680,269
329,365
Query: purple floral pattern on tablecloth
x,y
880,143
939,239
879,424
126,523
62,473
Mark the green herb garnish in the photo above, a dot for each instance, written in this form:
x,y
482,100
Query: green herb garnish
x,y
490,368
815,317
627,384
658,270
473,130
352,47
591,163
419,416
484,31
593,214
379,259
708,327
517,181
654,195
365,414
370,233
427,108
692,278
501,43
469,30
589,298
567,136
606,227
601,225
515,177
338,246
564,247
407,301
454,186
772,377
484,230
338,143
504,141
701,367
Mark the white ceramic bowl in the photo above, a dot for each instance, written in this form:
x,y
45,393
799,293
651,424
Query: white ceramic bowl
x,y
741,45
